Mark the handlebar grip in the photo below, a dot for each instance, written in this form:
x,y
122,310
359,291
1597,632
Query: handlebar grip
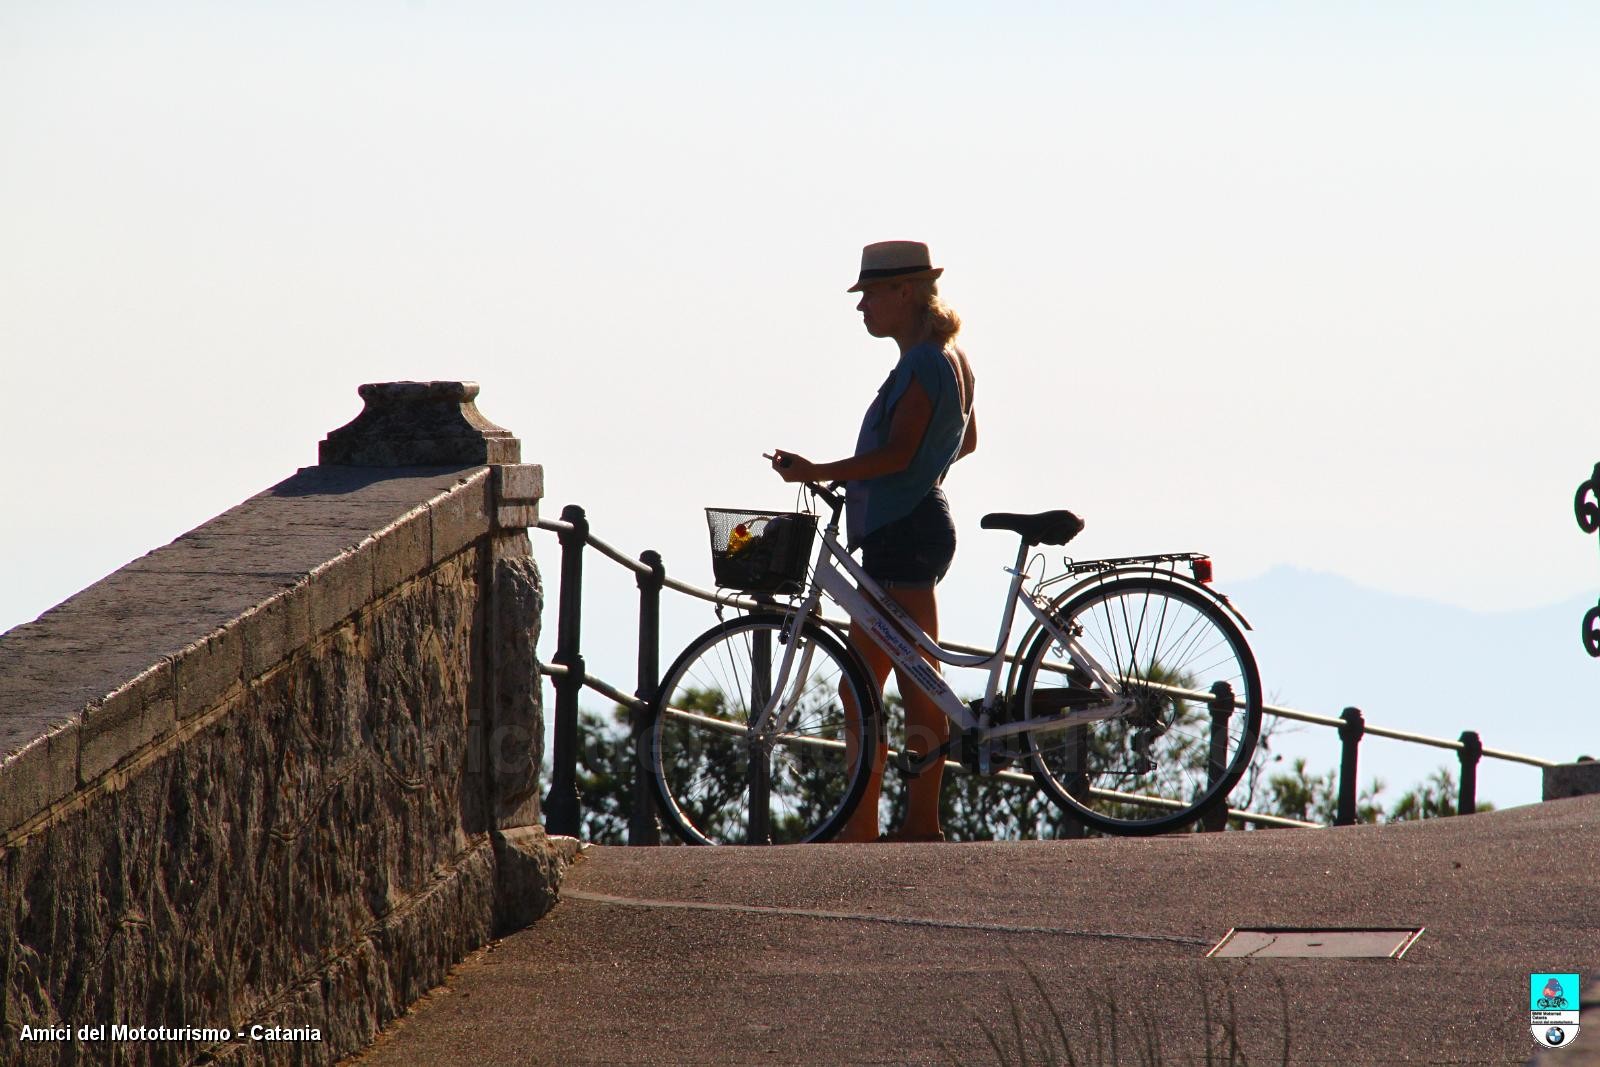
x,y
830,492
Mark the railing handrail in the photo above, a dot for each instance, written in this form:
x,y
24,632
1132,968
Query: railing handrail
x,y
599,685
1293,714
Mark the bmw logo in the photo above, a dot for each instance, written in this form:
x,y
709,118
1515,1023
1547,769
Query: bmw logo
x,y
1554,1036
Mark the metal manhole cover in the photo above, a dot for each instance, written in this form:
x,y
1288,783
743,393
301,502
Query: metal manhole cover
x,y
1297,941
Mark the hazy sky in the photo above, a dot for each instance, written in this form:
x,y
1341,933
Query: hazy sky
x,y
1283,282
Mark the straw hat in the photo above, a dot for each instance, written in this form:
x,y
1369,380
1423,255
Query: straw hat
x,y
900,260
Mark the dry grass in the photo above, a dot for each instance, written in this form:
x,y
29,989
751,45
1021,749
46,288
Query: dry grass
x,y
1100,1033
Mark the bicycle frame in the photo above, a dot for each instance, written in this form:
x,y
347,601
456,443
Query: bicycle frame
x,y
870,607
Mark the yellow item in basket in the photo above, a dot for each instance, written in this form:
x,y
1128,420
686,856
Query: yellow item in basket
x,y
739,539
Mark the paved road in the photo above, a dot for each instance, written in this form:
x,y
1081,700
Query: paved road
x,y
956,953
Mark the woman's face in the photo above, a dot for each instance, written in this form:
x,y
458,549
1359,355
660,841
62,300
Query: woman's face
x,y
888,309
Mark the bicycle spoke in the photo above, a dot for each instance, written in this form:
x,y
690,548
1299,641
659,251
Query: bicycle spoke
x,y
721,782
1161,641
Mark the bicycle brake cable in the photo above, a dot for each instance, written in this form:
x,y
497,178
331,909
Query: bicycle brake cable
x,y
1038,557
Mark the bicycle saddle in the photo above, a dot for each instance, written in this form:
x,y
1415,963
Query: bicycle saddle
x,y
1045,528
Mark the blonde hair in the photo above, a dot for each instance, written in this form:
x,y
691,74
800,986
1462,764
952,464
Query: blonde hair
x,y
940,321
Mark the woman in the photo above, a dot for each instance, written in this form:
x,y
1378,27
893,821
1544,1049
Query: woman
x,y
919,424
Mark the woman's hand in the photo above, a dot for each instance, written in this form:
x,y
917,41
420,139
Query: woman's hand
x,y
792,467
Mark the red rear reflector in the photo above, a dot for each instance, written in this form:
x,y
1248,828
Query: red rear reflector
x,y
1202,569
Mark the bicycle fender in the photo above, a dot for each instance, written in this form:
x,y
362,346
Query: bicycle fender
x,y
1211,594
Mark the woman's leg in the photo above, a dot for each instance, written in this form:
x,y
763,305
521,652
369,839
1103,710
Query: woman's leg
x,y
863,823
926,725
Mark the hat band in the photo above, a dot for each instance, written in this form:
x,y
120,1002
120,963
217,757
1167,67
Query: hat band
x,y
891,272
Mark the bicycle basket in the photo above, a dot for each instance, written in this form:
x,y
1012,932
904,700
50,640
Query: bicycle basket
x,y
760,553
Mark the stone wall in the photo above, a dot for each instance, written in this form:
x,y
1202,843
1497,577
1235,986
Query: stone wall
x,y
282,772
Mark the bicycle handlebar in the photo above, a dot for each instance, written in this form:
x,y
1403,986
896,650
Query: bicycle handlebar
x,y
829,493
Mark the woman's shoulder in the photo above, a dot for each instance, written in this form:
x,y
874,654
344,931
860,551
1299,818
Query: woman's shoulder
x,y
928,359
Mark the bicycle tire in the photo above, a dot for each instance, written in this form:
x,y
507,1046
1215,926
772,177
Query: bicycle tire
x,y
1150,632
699,749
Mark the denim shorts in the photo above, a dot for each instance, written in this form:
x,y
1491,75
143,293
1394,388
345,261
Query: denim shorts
x,y
913,552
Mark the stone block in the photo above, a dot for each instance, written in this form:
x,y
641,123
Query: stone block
x,y
528,872
509,516
126,721
461,516
339,588
275,630
1572,779
519,483
516,722
510,544
517,488
402,551
42,773
408,424
205,672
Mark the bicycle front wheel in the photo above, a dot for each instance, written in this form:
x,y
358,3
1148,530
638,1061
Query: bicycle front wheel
x,y
724,777
1187,738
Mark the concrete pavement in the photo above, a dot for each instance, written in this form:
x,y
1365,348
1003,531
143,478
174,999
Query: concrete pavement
x,y
1020,951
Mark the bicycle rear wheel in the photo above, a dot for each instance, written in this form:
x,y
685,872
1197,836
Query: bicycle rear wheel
x,y
717,780
1196,712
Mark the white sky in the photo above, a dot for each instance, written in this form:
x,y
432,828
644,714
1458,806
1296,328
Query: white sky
x,y
1287,283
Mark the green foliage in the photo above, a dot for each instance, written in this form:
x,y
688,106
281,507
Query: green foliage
x,y
1433,797
1298,794
977,808
605,776
974,807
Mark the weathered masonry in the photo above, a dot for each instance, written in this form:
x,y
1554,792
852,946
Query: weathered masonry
x,y
283,771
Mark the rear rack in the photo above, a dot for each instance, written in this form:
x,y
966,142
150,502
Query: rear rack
x,y
1084,566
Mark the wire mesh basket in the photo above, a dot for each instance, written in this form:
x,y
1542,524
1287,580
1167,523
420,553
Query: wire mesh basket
x,y
758,552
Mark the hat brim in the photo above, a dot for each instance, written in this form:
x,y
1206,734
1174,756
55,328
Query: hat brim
x,y
873,277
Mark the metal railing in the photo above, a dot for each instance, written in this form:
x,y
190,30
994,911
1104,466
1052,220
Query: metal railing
x,y
569,676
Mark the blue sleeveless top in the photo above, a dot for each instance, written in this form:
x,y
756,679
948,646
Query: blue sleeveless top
x,y
876,502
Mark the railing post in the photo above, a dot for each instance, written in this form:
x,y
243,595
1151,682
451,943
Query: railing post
x,y
1350,734
561,806
1471,753
1222,705
760,829
1074,754
643,829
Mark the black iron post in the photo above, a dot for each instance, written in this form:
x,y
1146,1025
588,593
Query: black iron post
x,y
1222,705
760,832
561,806
642,826
1350,732
1075,758
1471,753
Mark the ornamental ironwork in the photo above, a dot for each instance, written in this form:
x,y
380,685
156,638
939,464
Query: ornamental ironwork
x,y
1587,506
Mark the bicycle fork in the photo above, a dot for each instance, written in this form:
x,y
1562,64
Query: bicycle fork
x,y
773,697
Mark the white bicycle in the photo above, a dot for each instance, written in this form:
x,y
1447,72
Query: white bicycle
x,y
1135,701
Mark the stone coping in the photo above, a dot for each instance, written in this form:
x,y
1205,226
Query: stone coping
x,y
124,663
1581,778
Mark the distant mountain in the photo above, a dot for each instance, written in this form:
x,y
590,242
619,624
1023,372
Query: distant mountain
x,y
1520,678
